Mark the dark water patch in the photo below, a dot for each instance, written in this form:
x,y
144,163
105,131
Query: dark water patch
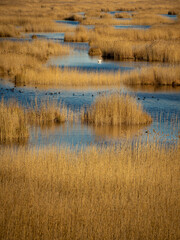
x,y
69,22
132,26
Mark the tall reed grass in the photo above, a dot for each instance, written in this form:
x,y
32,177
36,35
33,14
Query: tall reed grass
x,y
13,123
162,51
81,34
15,119
73,77
119,193
15,57
47,113
115,109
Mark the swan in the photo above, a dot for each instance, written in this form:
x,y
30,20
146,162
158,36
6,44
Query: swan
x,y
99,61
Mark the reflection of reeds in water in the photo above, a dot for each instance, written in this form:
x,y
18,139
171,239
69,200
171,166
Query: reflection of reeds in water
x,y
107,193
117,132
116,109
13,123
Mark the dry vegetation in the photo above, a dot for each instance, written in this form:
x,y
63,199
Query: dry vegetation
x,y
15,119
15,57
162,51
116,109
13,123
114,193
74,77
120,193
81,34
47,113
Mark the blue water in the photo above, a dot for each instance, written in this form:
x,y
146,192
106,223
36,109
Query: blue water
x,y
132,27
174,17
163,105
71,23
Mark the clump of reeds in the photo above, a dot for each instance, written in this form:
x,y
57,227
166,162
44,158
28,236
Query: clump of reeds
x,y
15,57
95,51
74,77
115,109
95,193
162,51
81,34
47,113
15,119
8,31
122,15
74,17
13,123
158,76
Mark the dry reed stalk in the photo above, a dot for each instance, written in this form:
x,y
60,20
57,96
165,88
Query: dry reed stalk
x,y
119,193
13,123
115,109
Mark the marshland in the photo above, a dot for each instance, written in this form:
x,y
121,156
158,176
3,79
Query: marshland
x,y
89,119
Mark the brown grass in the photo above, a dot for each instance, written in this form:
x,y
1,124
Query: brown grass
x,y
119,193
116,109
17,56
13,123
123,15
47,113
157,76
162,51
15,119
159,32
73,77
8,31
81,34
30,24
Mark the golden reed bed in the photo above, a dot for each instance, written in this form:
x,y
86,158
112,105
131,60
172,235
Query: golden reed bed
x,y
110,193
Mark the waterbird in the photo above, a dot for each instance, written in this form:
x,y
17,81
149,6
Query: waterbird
x,y
99,61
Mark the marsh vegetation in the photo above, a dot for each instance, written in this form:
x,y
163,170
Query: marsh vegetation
x,y
119,189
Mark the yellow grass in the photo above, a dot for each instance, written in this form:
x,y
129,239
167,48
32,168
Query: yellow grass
x,y
81,34
147,19
74,77
160,32
30,24
13,123
120,193
17,56
157,76
116,109
8,31
163,51
47,113
15,119
123,15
